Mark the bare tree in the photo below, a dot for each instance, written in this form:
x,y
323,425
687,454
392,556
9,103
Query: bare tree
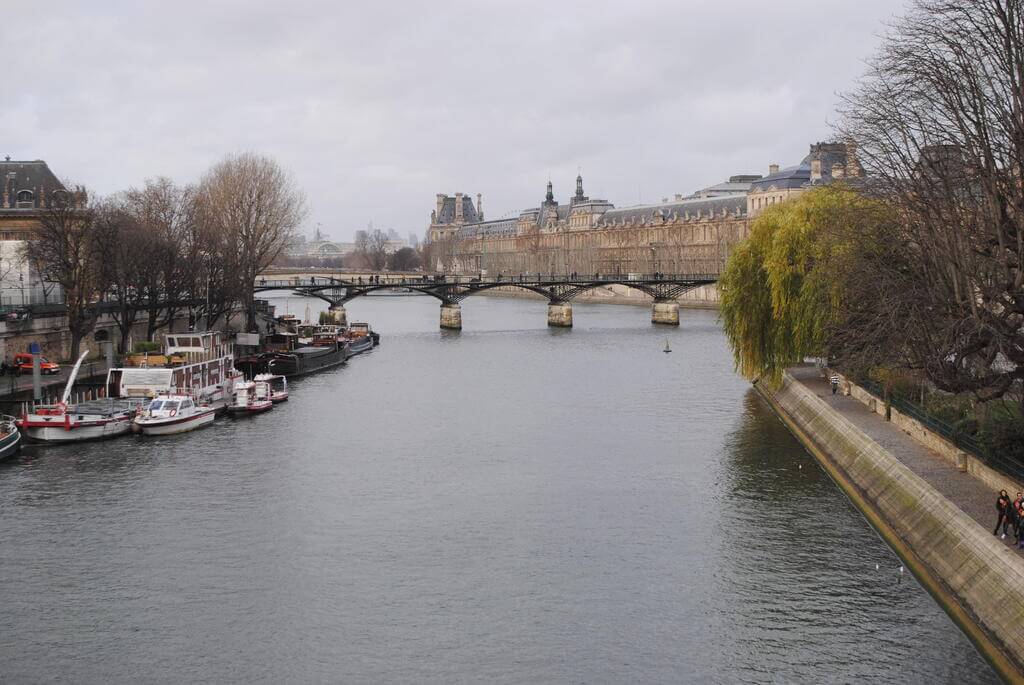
x,y
371,247
938,123
125,249
164,214
255,208
66,254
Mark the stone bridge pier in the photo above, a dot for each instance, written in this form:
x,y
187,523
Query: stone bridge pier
x,y
560,314
665,312
451,316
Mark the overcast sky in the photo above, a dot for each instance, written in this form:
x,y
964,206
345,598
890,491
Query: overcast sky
x,y
377,106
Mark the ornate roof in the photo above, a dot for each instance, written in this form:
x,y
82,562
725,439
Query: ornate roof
x,y
26,183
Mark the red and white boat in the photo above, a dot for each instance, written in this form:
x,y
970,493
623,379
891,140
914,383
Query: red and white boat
x,y
170,414
251,397
278,386
92,420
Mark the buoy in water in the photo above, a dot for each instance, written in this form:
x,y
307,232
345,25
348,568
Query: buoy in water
x,y
667,348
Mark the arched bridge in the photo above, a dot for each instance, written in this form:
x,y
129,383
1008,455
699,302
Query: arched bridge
x,y
451,290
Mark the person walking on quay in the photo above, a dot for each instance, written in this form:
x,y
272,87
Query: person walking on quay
x,y
834,382
1003,505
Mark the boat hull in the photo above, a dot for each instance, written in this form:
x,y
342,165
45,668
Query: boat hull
x,y
99,429
279,397
248,409
10,445
299,364
176,425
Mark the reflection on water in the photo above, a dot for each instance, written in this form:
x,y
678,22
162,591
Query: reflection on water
x,y
507,503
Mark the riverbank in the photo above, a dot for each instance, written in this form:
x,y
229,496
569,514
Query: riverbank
x,y
919,510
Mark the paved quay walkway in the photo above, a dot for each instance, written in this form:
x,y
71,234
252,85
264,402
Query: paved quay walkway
x,y
972,496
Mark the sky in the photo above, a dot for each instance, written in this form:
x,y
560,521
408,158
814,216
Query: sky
x,y
377,107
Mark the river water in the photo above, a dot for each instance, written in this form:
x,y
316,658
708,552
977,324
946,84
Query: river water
x,y
509,503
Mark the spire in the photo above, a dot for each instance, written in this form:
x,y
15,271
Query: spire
x,y
550,197
579,186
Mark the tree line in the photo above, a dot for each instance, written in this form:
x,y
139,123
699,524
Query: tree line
x,y
151,254
919,268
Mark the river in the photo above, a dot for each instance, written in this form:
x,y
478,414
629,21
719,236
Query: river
x,y
508,503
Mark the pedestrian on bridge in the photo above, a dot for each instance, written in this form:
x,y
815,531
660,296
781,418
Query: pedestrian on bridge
x,y
834,382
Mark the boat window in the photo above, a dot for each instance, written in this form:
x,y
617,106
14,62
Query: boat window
x,y
186,404
171,342
171,406
155,405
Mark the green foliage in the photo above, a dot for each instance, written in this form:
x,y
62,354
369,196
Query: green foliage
x,y
951,409
1001,430
143,346
783,288
326,318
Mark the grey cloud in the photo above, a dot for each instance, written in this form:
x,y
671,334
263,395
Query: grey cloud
x,y
376,107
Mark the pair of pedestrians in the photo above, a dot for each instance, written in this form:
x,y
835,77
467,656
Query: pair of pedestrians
x,y
1010,513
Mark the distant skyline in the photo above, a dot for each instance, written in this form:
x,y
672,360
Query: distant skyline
x,y
376,108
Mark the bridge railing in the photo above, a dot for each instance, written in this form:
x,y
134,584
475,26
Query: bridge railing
x,y
525,277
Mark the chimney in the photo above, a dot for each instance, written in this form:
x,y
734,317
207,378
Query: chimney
x,y
458,208
440,204
773,168
815,170
479,207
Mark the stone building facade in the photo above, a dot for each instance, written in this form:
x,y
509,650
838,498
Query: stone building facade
x,y
28,188
689,234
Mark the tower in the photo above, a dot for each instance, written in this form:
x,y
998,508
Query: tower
x,y
549,198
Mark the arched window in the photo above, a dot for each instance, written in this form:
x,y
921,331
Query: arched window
x,y
26,199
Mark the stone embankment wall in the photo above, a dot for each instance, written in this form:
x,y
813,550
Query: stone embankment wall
x,y
977,579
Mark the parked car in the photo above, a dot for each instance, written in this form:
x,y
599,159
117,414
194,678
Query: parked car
x,y
23,364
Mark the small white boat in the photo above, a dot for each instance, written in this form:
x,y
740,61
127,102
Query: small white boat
x,y
251,397
278,386
170,414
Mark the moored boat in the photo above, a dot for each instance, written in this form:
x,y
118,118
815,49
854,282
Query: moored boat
x,y
10,437
171,414
92,420
200,365
361,337
278,386
251,397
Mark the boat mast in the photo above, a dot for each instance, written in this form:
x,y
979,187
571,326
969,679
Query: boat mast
x,y
71,378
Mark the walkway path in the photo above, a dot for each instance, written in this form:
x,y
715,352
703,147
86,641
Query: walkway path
x,y
971,495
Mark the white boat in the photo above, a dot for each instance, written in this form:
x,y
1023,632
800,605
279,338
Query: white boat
x,y
251,397
91,420
278,386
170,414
201,365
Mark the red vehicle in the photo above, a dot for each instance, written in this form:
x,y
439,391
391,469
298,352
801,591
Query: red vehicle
x,y
23,364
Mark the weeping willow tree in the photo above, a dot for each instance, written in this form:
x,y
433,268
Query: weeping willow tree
x,y
805,272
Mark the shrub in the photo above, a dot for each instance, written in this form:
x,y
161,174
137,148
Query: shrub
x,y
144,346
1001,431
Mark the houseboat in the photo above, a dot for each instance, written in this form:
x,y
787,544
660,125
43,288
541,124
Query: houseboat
x,y
201,365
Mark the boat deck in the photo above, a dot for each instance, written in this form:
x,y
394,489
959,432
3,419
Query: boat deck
x,y
106,406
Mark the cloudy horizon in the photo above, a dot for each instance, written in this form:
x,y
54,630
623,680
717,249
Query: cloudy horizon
x,y
376,109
